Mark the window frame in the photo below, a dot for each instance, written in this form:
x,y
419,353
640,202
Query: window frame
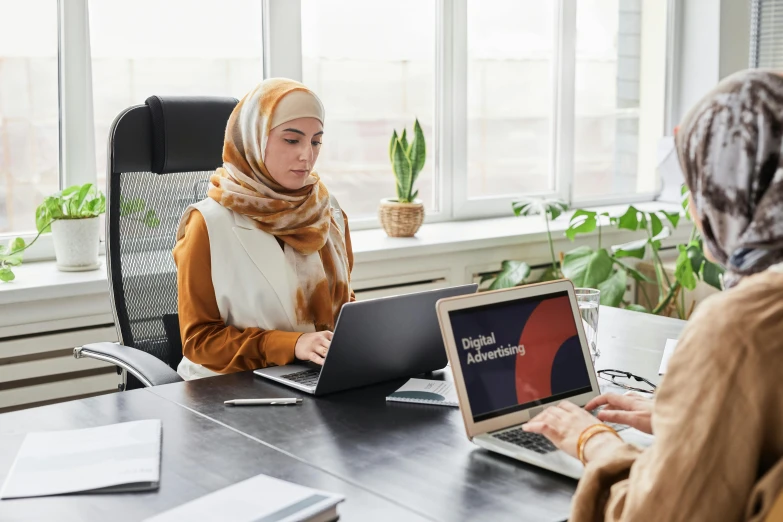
x,y
282,56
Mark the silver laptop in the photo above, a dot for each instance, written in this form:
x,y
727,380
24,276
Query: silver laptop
x,y
513,353
374,341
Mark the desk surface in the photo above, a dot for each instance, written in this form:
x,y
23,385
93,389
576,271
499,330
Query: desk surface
x,y
198,457
391,460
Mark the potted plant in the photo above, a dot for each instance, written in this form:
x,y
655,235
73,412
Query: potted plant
x,y
402,216
72,216
606,268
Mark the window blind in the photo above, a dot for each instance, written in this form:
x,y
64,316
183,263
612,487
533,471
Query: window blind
x,y
766,33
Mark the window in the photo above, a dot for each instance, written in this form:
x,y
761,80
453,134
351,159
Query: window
x,y
373,66
188,47
516,97
511,46
561,99
619,96
29,120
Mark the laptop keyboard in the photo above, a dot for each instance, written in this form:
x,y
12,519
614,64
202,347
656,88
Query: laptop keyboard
x,y
305,377
524,439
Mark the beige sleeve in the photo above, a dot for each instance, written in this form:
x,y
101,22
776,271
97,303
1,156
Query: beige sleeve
x,y
700,467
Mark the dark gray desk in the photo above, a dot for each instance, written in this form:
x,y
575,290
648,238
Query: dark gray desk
x,y
417,455
198,456
392,460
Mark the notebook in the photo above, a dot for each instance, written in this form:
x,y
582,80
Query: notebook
x,y
424,391
258,499
113,458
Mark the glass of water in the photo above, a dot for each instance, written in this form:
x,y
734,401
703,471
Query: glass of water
x,y
588,300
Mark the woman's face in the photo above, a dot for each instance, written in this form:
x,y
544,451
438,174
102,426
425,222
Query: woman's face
x,y
291,151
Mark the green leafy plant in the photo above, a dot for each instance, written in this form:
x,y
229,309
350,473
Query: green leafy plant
x,y
407,160
11,256
692,266
516,273
607,269
75,202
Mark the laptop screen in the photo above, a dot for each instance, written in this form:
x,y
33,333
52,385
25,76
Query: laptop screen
x,y
519,354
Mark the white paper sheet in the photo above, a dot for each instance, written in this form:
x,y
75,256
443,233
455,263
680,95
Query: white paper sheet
x,y
668,350
669,170
123,457
255,499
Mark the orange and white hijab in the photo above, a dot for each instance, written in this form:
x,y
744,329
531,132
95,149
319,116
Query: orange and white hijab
x,y
314,243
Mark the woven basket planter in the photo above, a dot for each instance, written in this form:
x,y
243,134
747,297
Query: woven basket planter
x,y
401,219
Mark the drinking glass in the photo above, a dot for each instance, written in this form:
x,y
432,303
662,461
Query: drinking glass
x,y
588,300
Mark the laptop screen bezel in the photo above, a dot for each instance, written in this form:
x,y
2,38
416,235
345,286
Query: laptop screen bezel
x,y
445,306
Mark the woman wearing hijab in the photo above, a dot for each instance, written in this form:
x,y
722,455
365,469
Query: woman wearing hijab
x,y
264,262
717,415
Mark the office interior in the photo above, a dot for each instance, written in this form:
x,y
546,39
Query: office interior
x,y
473,153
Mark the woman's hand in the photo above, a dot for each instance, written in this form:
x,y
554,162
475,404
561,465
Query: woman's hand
x,y
631,409
562,424
313,346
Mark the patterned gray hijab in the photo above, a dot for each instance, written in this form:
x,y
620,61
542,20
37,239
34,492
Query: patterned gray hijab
x,y
729,147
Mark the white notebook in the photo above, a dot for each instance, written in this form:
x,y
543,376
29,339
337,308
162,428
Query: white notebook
x,y
260,498
117,457
424,391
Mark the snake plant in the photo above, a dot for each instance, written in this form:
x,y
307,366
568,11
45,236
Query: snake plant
x,y
407,160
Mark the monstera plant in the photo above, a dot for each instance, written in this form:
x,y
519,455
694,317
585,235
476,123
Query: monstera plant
x,y
608,268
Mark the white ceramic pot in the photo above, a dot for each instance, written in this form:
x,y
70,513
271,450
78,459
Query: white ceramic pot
x,y
76,243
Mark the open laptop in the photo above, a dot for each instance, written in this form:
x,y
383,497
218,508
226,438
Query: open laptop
x,y
514,352
374,341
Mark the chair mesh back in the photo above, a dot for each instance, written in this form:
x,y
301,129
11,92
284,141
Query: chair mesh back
x,y
144,277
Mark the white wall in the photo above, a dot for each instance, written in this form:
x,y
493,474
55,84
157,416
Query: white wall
x,y
734,36
713,42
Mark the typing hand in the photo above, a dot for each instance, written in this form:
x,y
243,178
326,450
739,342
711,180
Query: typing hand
x,y
561,424
631,409
313,346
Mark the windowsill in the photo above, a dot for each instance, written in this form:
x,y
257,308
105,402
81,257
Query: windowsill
x,y
39,281
478,234
42,280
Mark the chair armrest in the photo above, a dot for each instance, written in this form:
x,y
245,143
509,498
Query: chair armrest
x,y
147,368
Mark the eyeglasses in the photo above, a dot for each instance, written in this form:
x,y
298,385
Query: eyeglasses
x,y
613,375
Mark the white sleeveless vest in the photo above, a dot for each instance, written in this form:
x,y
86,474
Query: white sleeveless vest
x,y
254,284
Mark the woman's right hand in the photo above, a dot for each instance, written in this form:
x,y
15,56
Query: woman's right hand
x,y
313,346
631,409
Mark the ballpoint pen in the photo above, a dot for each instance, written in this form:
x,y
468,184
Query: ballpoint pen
x,y
262,402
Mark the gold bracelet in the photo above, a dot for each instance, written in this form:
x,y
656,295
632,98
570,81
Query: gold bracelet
x,y
587,434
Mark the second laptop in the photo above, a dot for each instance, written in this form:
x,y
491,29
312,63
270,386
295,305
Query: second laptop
x,y
374,341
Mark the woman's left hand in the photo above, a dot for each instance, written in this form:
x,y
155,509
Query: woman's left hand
x,y
562,424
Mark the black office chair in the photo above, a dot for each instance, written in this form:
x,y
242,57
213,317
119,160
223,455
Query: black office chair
x,y
160,157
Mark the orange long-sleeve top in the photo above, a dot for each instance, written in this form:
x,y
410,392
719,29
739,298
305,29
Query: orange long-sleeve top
x,y
206,339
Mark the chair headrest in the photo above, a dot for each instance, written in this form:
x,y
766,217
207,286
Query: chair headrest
x,y
188,131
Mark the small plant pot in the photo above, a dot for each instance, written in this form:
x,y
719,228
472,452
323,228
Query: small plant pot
x,y
401,219
76,244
